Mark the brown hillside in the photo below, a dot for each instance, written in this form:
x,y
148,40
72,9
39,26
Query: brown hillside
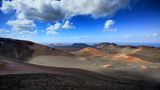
x,y
21,50
127,58
90,52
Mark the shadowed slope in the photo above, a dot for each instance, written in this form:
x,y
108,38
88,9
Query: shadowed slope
x,y
25,76
20,50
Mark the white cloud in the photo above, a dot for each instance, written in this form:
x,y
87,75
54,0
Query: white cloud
x,y
2,30
127,36
67,25
109,23
25,34
108,26
52,29
55,10
28,33
26,11
78,37
95,8
7,6
21,24
35,9
55,27
153,35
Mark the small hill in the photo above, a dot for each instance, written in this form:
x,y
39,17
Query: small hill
x,y
20,50
90,52
70,48
122,57
147,53
79,45
56,45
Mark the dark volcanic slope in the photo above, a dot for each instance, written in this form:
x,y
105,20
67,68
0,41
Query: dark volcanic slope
x,y
19,50
44,81
15,76
15,49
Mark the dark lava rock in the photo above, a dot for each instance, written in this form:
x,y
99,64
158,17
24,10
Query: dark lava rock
x,y
41,81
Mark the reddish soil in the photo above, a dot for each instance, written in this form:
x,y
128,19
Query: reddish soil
x,y
92,52
126,58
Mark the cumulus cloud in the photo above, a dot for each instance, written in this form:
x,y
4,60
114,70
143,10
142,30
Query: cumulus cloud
x,y
7,6
52,29
108,26
28,33
57,10
21,24
67,25
35,9
26,11
17,34
95,8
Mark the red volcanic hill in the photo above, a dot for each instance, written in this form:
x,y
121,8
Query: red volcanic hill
x,y
127,58
90,52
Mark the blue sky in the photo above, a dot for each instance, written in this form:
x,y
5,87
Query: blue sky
x,y
82,21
